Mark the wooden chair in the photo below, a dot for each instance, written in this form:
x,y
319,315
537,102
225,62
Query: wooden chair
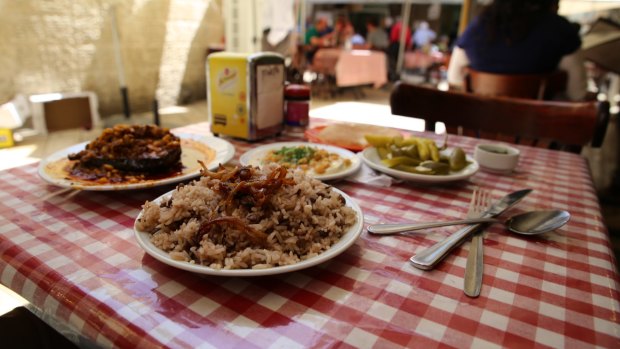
x,y
533,86
556,125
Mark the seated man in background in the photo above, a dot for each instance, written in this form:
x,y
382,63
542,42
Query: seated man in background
x,y
376,38
318,36
423,36
520,37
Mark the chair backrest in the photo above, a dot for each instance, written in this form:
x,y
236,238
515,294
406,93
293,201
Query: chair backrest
x,y
557,125
533,86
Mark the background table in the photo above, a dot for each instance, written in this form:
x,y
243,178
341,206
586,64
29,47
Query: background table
x,y
75,259
423,60
352,68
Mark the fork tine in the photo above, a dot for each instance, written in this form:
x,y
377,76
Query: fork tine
x,y
471,210
487,199
482,200
474,204
486,203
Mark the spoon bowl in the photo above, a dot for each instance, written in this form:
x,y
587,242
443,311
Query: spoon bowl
x,y
537,222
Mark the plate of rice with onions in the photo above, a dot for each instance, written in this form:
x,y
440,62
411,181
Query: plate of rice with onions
x,y
249,221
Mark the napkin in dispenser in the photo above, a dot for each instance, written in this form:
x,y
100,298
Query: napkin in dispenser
x,y
245,94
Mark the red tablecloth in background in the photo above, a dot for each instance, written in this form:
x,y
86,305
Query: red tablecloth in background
x,y
423,60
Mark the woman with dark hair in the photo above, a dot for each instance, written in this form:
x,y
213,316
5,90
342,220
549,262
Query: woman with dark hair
x,y
518,37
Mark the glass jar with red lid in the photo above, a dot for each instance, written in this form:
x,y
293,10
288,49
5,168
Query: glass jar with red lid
x,y
296,105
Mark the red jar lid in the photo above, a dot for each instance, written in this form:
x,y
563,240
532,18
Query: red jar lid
x,y
297,91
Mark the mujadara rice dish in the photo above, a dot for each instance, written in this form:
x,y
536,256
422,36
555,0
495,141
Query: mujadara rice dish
x,y
248,218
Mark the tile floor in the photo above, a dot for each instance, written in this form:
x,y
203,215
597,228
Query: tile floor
x,y
602,161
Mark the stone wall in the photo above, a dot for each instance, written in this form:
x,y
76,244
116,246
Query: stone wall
x,y
67,46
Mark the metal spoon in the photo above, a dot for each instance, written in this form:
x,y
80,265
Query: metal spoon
x,y
528,223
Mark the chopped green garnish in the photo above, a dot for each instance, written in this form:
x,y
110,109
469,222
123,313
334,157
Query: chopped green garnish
x,y
294,154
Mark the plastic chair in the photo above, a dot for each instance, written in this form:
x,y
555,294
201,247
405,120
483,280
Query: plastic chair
x,y
556,125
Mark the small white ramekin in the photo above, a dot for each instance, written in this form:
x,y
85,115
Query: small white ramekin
x,y
495,157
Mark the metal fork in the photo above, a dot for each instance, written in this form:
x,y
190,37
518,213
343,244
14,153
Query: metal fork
x,y
472,281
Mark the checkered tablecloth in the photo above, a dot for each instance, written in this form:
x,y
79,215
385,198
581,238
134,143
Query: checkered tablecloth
x,y
74,257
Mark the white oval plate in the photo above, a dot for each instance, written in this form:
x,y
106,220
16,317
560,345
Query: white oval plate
x,y
255,156
348,239
371,158
224,151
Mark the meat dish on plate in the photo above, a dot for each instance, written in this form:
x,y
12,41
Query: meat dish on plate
x,y
139,148
127,153
131,157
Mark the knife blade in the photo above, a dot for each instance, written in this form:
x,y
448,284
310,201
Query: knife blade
x,y
428,258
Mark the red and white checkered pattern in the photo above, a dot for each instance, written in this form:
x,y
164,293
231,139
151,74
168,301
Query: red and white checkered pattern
x,y
75,258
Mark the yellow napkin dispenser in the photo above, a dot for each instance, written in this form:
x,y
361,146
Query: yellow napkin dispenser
x,y
245,94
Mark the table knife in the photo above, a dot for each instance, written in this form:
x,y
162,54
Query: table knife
x,y
428,258
472,281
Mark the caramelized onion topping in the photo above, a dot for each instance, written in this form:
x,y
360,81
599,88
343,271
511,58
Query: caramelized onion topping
x,y
242,186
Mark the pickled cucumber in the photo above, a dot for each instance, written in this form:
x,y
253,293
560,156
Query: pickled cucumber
x,y
381,141
438,168
400,160
458,160
417,155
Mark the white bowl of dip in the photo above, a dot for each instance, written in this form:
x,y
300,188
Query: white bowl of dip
x,y
498,158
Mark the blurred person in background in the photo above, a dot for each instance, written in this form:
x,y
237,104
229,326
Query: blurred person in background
x,y
395,45
395,33
317,36
376,37
520,37
388,22
423,36
343,31
443,43
358,41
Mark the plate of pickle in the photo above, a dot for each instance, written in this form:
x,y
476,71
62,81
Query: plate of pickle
x,y
418,159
